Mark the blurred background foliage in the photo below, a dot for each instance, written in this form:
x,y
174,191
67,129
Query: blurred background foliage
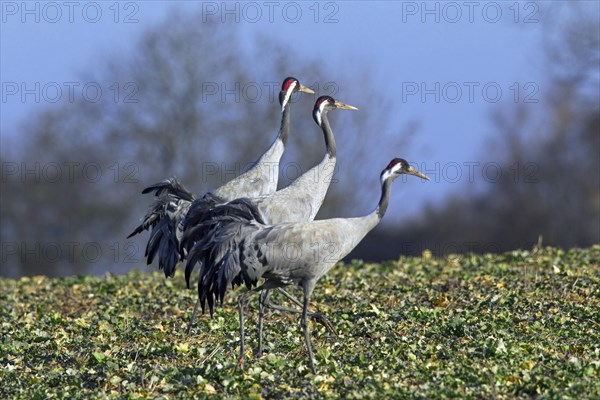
x,y
165,125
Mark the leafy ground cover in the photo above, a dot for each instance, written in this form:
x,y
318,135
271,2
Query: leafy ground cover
x,y
517,325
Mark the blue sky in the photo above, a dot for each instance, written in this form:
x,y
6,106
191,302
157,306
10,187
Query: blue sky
x,y
447,65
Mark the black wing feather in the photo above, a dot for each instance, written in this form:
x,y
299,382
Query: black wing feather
x,y
219,242
164,220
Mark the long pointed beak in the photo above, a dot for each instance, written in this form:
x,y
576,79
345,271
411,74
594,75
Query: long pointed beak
x,y
304,89
414,172
339,104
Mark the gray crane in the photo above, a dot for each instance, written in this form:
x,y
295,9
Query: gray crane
x,y
298,202
241,252
173,201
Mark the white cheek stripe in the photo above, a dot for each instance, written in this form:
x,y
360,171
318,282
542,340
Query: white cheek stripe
x,y
288,95
386,175
320,111
322,106
390,172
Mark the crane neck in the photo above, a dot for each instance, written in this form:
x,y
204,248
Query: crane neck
x,y
363,225
284,129
328,134
384,200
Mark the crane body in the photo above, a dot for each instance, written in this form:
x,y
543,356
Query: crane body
x,y
298,202
238,252
166,215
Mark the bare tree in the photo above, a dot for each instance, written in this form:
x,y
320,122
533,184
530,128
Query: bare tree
x,y
550,169
186,104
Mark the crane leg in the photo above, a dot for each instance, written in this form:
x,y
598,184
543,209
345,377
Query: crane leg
x,y
304,324
290,297
264,300
242,302
318,317
189,328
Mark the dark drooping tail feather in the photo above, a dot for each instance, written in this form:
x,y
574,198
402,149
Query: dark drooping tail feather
x,y
170,186
222,242
165,218
200,222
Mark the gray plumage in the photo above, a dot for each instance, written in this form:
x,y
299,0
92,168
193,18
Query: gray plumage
x,y
298,202
166,215
302,199
238,252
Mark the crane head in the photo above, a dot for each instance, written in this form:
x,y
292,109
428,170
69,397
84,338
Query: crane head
x,y
290,86
326,103
397,167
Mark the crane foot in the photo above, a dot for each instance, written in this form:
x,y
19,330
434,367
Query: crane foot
x,y
241,363
323,320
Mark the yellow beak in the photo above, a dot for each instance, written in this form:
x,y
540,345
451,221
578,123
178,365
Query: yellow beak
x,y
339,104
304,89
414,172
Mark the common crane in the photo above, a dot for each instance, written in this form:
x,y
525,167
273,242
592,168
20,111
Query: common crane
x,y
239,252
298,202
174,200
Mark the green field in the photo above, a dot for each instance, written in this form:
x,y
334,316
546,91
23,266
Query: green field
x,y
524,324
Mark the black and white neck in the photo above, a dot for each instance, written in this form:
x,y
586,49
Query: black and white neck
x,y
395,168
322,106
320,117
289,86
